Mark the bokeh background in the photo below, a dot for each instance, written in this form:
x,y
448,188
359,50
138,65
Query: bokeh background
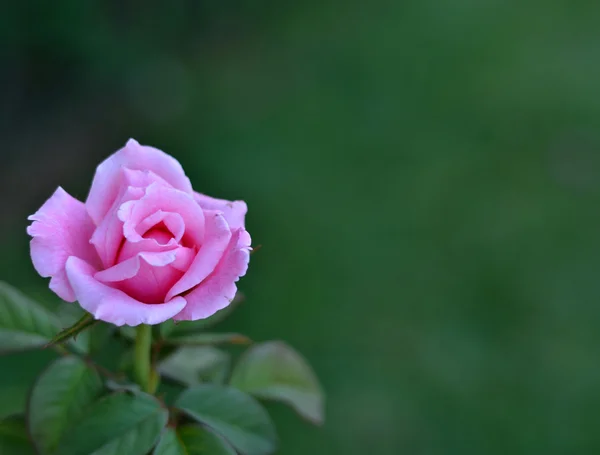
x,y
423,175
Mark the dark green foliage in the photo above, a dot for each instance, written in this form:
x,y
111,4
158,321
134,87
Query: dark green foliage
x,y
192,440
71,410
117,424
13,437
275,371
59,397
233,414
24,323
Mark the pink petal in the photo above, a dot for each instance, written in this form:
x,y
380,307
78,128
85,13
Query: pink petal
x,y
172,221
160,198
153,244
148,276
130,267
141,178
151,284
218,290
106,183
112,305
60,228
234,211
108,236
216,240
184,258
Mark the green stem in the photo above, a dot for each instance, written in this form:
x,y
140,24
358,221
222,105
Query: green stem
x,y
141,366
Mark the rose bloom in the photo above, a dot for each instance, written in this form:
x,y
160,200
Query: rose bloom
x,y
144,247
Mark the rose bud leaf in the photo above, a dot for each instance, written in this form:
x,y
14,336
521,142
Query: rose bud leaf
x,y
275,371
236,416
58,398
117,424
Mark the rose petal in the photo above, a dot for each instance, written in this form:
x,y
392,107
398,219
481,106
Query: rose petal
x,y
60,228
130,267
157,198
172,221
148,276
234,211
151,284
218,290
106,183
153,244
184,258
141,178
112,305
216,241
108,236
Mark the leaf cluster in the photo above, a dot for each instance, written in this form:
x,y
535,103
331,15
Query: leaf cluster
x,y
208,399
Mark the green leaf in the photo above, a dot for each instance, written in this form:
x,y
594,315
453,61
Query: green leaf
x,y
168,392
199,440
24,324
192,440
118,424
237,417
273,370
187,327
87,320
18,373
170,444
58,398
203,339
190,364
13,437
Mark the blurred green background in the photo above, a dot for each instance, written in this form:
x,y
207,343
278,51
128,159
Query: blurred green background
x,y
423,175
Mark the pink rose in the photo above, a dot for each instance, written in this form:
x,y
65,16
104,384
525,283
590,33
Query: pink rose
x,y
144,247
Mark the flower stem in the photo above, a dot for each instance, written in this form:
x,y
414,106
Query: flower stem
x,y
141,366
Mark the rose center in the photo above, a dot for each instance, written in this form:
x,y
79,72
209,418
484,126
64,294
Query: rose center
x,y
160,233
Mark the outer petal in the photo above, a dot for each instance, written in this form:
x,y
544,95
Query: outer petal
x,y
114,306
60,228
234,211
218,290
216,241
106,184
